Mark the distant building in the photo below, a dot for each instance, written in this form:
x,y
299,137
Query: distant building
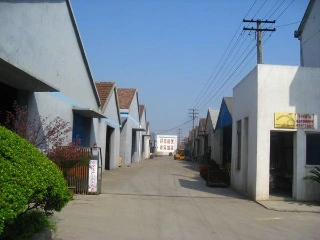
x,y
166,144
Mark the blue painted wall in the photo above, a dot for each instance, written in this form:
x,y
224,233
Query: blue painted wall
x,y
225,118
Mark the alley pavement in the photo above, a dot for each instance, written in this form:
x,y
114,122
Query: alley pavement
x,y
162,198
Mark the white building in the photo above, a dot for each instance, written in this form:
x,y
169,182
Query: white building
x,y
43,65
144,135
308,34
276,134
130,137
109,128
211,120
166,144
271,150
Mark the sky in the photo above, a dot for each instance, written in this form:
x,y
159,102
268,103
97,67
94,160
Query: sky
x,y
183,54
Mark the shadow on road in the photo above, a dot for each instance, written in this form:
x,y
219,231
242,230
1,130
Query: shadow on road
x,y
197,183
194,166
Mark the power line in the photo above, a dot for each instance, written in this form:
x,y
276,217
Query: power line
x,y
174,128
205,88
234,60
259,31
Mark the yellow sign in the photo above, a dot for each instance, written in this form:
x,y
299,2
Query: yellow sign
x,y
285,120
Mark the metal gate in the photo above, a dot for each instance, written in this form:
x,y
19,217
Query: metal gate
x,y
86,179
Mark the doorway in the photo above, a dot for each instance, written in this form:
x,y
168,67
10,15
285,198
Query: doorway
x,y
281,163
108,147
8,95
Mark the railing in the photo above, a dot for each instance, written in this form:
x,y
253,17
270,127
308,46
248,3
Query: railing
x,y
78,176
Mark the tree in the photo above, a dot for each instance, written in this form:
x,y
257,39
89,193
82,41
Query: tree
x,y
39,131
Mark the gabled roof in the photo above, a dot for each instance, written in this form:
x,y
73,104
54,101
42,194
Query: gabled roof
x,y
141,109
125,96
104,91
225,113
202,124
213,115
85,60
228,101
304,20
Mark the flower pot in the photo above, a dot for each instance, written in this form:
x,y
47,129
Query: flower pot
x,y
72,190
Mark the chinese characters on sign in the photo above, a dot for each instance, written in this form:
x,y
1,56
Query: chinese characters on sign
x,y
167,144
294,120
93,176
304,121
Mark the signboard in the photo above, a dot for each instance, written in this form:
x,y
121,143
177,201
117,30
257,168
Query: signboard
x,y
294,120
305,121
93,176
167,143
285,120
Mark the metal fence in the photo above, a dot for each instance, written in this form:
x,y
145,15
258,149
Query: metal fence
x,y
78,176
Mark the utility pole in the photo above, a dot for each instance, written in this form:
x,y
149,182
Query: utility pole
x,y
179,133
193,114
259,31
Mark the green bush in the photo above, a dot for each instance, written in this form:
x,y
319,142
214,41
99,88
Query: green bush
x,y
26,224
315,177
28,180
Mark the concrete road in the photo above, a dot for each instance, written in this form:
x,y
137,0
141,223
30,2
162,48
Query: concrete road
x,y
166,199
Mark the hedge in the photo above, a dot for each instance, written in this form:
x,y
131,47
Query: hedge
x,y
28,180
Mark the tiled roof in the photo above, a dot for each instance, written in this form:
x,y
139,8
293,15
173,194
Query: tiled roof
x,y
104,89
141,109
202,124
125,96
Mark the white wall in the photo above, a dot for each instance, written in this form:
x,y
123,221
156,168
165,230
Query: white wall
x,y
209,131
38,37
245,102
279,89
296,90
111,112
310,39
145,139
126,134
161,138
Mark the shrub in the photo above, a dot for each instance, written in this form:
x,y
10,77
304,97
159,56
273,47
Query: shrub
x,y
315,177
26,224
28,180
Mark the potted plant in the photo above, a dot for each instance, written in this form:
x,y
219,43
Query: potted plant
x,y
315,177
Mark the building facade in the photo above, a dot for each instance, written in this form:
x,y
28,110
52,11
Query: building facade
x,y
272,150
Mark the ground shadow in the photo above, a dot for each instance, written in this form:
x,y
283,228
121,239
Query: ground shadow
x,y
194,166
197,183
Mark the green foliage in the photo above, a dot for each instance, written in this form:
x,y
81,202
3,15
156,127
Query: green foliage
x,y
68,157
26,224
28,180
315,177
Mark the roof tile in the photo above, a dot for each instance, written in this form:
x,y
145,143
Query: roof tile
x,y
125,96
104,90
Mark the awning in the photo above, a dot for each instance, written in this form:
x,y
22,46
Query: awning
x,y
15,77
139,129
88,112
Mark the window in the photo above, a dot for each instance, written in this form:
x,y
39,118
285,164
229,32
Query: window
x,y
239,144
313,148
